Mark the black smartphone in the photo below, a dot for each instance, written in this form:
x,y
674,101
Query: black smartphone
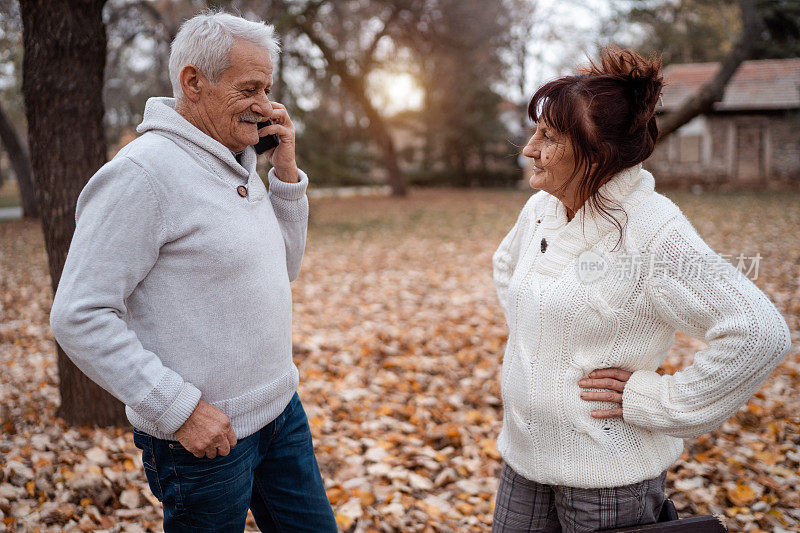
x,y
268,142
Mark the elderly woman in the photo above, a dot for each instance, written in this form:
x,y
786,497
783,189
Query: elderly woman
x,y
595,278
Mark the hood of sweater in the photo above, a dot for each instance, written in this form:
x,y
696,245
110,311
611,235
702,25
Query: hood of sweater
x,y
627,189
160,117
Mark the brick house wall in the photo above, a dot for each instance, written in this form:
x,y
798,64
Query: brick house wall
x,y
731,150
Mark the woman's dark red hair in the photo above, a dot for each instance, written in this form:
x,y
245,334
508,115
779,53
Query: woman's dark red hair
x,y
608,113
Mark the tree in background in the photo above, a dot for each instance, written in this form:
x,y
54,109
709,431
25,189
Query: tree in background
x,y
12,119
459,61
522,29
62,83
330,27
695,31
139,37
20,162
686,31
715,30
780,33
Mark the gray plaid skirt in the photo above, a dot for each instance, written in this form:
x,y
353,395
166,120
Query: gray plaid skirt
x,y
524,506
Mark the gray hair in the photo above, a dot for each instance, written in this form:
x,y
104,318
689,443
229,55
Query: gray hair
x,y
205,41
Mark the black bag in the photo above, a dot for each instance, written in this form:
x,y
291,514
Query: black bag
x,y
668,522
668,512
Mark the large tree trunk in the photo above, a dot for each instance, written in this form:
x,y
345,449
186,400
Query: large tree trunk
x,y
713,91
21,164
62,82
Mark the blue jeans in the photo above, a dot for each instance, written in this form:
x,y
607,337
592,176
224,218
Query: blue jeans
x,y
273,472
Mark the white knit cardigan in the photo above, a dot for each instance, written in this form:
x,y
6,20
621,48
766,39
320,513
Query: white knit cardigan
x,y
563,324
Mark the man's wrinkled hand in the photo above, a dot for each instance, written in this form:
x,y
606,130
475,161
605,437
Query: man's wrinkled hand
x,y
207,432
282,157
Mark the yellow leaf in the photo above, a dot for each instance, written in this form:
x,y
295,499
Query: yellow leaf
x,y
336,495
730,512
465,508
344,522
367,498
451,430
489,448
769,457
741,495
473,417
432,510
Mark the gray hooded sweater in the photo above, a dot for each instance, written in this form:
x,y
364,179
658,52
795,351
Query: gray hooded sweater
x,y
176,287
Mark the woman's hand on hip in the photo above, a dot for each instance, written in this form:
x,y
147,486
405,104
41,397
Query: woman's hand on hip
x,y
613,381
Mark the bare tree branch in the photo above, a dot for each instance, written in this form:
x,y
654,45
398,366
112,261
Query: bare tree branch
x,y
369,53
713,91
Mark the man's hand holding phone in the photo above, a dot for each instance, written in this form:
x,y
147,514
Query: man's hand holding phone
x,y
282,154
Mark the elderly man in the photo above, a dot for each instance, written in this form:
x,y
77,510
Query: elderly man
x,y
175,294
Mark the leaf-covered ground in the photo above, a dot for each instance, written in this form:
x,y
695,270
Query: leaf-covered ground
x,y
399,340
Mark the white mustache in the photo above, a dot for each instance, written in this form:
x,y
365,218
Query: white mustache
x,y
249,117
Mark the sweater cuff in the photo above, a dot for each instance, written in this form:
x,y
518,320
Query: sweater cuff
x,y
289,200
170,402
180,410
288,191
640,399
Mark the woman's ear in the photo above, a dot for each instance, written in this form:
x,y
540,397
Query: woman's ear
x,y
192,82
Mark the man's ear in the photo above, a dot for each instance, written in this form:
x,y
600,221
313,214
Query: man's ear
x,y
192,82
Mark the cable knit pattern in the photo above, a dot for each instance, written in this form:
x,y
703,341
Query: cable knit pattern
x,y
176,287
562,325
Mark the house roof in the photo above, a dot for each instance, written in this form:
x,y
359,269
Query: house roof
x,y
756,85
